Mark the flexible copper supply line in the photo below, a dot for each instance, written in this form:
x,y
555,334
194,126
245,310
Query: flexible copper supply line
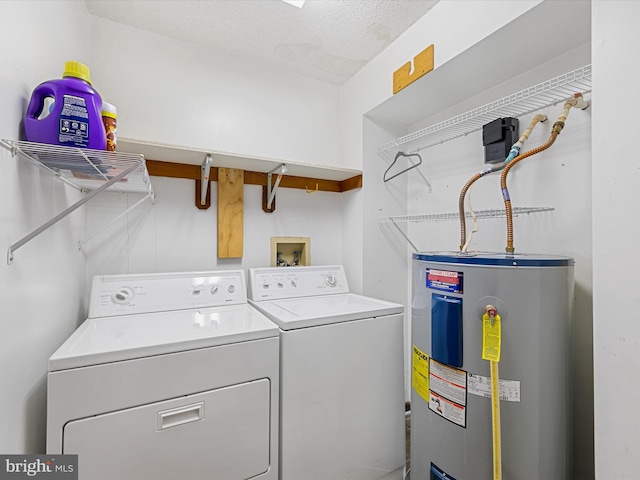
x,y
505,192
512,154
577,102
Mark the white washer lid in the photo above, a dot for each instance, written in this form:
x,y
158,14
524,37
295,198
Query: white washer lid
x,y
112,339
294,313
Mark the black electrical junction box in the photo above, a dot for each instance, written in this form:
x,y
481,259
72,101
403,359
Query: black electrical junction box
x,y
498,137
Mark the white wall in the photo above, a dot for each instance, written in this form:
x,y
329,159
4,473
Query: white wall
x,y
616,260
176,93
173,235
372,85
43,290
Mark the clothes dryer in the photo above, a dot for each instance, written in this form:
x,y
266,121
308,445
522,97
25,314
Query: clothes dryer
x,y
341,377
172,376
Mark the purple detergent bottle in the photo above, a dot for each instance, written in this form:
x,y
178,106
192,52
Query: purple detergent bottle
x,y
74,118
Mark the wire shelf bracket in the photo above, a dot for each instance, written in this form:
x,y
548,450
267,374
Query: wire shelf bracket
x,y
205,170
271,188
90,171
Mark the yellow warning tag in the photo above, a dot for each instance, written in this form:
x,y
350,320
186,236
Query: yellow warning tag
x,y
420,373
491,338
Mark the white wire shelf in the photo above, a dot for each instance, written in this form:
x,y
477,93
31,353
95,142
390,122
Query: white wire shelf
x,y
491,213
92,171
517,104
395,220
86,169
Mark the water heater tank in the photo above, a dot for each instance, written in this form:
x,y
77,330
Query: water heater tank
x,y
451,414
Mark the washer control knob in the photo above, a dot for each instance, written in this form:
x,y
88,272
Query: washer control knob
x,y
231,289
214,289
330,280
280,285
123,296
294,284
196,291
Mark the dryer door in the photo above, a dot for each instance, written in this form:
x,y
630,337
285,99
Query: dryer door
x,y
222,434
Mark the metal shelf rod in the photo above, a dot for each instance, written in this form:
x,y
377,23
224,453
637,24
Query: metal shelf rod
x,y
99,230
66,212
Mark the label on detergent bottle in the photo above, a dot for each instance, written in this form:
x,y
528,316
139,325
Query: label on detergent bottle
x,y
74,122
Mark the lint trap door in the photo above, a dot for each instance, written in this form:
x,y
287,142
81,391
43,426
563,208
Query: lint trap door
x,y
222,433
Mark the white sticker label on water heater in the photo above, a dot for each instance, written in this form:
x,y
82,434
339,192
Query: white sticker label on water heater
x,y
448,392
481,386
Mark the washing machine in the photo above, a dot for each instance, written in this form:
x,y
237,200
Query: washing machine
x,y
341,375
172,376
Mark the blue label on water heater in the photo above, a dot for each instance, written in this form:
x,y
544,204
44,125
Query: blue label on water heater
x,y
444,280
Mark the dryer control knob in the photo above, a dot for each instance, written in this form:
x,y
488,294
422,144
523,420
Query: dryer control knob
x,y
231,289
330,280
214,289
122,296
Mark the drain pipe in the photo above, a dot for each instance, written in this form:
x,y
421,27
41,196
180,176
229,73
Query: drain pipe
x,y
576,102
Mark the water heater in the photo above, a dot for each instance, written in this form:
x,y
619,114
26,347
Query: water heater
x,y
451,407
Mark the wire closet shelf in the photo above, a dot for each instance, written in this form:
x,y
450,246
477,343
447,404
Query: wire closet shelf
x,y
85,169
490,213
90,171
517,104
395,220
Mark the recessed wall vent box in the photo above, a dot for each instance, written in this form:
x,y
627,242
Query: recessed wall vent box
x,y
498,137
290,251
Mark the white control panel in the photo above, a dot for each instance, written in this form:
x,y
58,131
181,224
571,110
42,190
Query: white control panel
x,y
113,295
293,282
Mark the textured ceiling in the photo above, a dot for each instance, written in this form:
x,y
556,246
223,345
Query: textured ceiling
x,y
329,40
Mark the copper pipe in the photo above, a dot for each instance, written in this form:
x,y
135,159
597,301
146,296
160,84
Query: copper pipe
x,y
578,102
523,138
505,191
